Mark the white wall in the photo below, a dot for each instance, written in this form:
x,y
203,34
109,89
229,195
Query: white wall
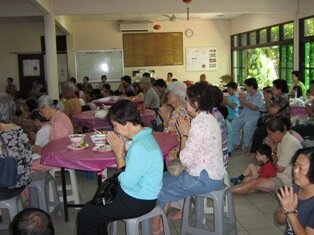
x,y
250,22
306,8
98,35
20,38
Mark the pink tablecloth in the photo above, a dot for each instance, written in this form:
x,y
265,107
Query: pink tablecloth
x,y
89,120
57,154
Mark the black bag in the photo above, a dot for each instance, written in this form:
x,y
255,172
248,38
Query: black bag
x,y
8,168
265,118
107,191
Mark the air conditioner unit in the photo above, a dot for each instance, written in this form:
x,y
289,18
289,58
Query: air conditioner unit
x,y
136,27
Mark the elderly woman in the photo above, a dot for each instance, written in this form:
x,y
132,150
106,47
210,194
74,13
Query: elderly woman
x,y
72,105
15,141
175,107
200,152
61,125
252,103
141,181
297,201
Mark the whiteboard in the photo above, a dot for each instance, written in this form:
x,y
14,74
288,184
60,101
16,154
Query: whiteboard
x,y
94,64
200,58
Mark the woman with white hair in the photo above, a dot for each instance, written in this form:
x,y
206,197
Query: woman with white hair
x,y
61,125
14,144
174,108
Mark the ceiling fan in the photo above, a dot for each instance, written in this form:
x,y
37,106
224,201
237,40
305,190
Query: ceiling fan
x,y
171,18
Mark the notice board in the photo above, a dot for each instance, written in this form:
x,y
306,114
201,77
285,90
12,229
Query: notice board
x,y
200,58
153,49
96,63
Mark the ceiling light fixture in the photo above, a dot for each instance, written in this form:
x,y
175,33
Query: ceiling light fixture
x,y
187,2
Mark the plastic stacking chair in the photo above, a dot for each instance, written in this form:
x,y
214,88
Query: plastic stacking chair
x,y
224,223
13,205
132,225
72,185
40,185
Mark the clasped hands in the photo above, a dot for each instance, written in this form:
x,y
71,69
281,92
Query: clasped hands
x,y
288,199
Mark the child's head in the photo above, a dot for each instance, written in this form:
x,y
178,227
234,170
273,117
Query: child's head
x,y
232,87
264,153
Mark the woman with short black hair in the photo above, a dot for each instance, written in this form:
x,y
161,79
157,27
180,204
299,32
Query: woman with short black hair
x,y
200,152
140,182
297,201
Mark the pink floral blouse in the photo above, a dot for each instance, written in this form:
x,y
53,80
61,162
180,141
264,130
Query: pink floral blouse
x,y
203,147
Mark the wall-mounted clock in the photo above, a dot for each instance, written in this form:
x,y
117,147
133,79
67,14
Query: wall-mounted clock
x,y
188,32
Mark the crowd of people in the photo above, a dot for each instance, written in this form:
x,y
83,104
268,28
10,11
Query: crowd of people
x,y
209,123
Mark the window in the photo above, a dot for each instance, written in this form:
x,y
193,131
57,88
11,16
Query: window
x,y
274,33
307,50
263,36
267,56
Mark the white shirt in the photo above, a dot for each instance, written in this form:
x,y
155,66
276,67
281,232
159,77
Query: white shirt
x,y
42,135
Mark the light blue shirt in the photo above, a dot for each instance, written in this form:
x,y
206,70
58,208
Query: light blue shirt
x,y
233,99
142,178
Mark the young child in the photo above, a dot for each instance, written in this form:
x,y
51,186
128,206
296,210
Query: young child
x,y
265,170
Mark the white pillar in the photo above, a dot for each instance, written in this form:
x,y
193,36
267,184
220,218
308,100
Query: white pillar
x,y
51,57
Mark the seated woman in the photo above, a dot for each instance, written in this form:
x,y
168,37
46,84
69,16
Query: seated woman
x,y
61,125
277,106
200,152
42,138
297,201
141,181
252,103
175,108
17,144
284,147
265,170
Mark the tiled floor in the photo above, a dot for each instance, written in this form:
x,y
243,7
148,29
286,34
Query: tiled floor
x,y
254,212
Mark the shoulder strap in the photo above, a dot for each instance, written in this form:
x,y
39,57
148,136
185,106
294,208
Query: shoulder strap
x,y
4,146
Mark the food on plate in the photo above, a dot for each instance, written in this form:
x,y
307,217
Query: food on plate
x,y
102,148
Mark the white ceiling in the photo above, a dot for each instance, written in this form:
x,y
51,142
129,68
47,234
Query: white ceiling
x,y
139,10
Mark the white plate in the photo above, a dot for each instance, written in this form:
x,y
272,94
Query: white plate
x,y
102,148
73,147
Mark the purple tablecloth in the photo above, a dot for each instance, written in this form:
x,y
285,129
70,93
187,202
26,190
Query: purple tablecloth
x,y
57,154
89,120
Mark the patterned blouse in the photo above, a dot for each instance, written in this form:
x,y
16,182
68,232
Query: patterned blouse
x,y
61,126
171,128
203,147
19,148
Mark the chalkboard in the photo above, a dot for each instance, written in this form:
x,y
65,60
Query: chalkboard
x,y
94,64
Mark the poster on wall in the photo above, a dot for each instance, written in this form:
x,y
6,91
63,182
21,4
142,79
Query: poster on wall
x,y
200,58
31,68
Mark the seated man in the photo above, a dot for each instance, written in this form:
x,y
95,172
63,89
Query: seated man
x,y
32,221
286,147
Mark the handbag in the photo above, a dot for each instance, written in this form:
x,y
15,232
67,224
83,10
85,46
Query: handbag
x,y
265,118
8,168
107,191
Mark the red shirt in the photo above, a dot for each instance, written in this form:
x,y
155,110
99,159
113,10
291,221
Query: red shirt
x,y
267,170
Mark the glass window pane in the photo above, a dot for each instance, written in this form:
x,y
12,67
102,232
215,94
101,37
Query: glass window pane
x,y
235,40
309,27
288,30
263,36
253,38
243,39
274,33
235,59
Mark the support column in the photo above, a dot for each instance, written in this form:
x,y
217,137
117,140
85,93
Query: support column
x,y
51,57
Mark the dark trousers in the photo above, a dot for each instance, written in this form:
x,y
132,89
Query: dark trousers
x,y
306,131
95,219
258,137
6,193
